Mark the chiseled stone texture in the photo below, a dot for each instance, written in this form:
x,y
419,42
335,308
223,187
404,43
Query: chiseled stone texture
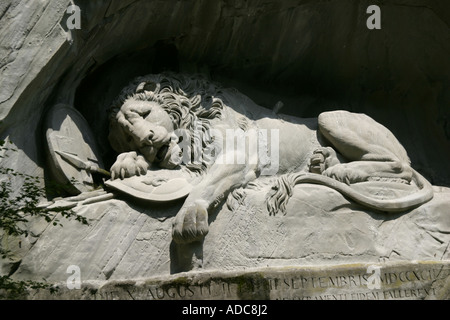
x,y
311,55
390,281
130,242
305,53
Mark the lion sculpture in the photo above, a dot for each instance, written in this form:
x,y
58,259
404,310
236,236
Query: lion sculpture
x,y
337,149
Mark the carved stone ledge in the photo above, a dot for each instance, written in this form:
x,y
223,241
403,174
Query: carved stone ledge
x,y
421,280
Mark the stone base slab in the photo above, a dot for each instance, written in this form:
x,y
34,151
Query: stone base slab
x,y
424,280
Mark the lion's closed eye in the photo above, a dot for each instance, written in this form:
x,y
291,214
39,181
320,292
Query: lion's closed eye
x,y
145,113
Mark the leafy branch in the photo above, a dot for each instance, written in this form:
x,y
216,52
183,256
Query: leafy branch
x,y
16,210
19,208
16,289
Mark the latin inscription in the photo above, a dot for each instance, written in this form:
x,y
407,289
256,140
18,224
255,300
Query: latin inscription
x,y
356,280
349,284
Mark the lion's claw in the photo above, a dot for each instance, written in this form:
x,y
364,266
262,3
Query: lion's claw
x,y
322,159
129,164
191,223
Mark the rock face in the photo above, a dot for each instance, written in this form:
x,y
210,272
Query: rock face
x,y
313,56
125,241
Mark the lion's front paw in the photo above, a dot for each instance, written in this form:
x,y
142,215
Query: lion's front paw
x,y
129,164
191,223
322,159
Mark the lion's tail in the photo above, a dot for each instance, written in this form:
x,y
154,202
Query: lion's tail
x,y
282,191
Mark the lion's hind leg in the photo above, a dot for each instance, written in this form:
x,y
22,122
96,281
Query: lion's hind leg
x,y
370,149
358,137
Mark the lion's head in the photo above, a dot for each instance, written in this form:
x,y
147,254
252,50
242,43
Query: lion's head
x,y
148,112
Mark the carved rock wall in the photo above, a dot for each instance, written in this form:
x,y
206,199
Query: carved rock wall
x,y
125,241
312,55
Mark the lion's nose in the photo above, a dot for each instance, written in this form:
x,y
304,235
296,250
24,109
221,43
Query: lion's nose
x,y
150,134
148,139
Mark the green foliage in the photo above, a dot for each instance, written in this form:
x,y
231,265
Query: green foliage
x,y
19,208
16,209
18,289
